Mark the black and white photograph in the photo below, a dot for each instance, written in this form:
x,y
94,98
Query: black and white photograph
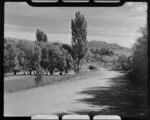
x,y
75,60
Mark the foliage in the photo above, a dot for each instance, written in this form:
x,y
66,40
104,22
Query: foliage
x,y
29,55
41,36
123,63
100,54
140,59
21,55
10,58
102,51
54,56
92,67
88,56
60,56
116,49
79,43
39,76
49,58
68,56
112,54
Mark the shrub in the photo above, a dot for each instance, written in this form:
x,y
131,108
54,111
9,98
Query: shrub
x,y
39,76
140,60
123,62
92,67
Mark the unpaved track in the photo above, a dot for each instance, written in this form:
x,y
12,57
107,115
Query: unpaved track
x,y
57,98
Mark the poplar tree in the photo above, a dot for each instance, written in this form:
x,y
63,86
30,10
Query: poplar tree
x,y
79,41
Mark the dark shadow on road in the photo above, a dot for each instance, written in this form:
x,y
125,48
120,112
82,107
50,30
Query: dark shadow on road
x,y
122,97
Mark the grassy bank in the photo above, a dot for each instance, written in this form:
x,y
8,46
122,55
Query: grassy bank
x,y
23,82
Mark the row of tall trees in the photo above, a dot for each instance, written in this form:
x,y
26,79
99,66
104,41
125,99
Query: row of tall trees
x,y
28,56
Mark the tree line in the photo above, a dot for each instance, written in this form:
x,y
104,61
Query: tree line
x,y
31,56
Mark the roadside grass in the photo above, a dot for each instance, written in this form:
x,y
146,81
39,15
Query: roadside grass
x,y
14,83
24,82
28,82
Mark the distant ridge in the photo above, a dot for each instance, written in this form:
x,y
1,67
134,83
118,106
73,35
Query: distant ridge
x,y
92,44
103,44
16,39
117,49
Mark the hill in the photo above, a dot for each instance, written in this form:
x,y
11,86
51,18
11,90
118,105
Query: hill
x,y
102,44
117,49
11,39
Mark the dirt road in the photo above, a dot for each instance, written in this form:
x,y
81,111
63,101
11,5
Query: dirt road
x,y
58,98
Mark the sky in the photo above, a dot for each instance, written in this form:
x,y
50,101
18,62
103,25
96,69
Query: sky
x,y
110,24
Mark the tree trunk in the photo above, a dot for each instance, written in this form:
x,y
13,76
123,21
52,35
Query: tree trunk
x,y
66,70
24,73
30,72
51,72
60,72
78,69
46,71
78,66
15,72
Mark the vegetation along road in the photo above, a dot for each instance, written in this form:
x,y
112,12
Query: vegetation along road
x,y
101,91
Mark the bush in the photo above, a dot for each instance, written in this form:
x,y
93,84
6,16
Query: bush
x,y
140,60
92,67
39,76
123,63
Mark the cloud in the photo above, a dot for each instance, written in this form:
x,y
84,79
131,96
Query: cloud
x,y
140,8
136,6
113,24
11,27
17,28
129,4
